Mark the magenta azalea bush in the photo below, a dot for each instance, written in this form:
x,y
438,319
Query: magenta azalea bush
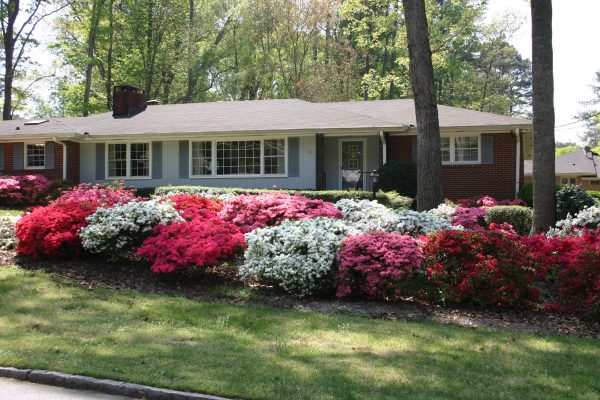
x,y
23,190
101,195
256,211
471,219
374,263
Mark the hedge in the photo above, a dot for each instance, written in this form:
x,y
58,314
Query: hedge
x,y
595,194
390,199
518,216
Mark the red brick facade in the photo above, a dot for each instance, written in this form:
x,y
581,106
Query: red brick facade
x,y
56,172
463,181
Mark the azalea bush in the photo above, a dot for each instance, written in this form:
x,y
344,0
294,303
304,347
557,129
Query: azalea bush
x,y
8,238
52,232
366,216
192,207
587,218
254,211
488,268
24,190
422,223
375,263
297,256
200,242
489,201
470,218
118,230
98,194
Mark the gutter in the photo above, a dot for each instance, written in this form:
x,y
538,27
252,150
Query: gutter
x,y
64,153
518,163
384,144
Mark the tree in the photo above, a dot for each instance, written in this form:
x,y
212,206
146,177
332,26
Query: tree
x,y
544,193
429,161
591,117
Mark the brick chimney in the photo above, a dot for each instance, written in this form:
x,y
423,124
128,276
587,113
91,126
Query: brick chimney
x,y
128,101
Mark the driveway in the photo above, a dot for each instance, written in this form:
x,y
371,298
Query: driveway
x,y
11,389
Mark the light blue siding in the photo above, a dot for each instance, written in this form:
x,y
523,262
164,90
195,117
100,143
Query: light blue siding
x,y
333,163
170,161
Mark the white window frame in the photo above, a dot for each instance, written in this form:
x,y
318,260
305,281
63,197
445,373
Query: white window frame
x,y
25,158
262,174
128,158
453,149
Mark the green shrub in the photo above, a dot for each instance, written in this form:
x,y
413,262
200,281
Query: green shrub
x,y
571,199
399,176
518,216
595,194
389,199
145,192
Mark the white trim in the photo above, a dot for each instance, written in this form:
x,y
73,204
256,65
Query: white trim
x,y
383,147
214,160
518,163
453,137
25,144
364,141
128,160
65,158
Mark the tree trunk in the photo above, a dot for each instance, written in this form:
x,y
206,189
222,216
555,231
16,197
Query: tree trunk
x,y
91,44
429,161
12,9
109,58
544,194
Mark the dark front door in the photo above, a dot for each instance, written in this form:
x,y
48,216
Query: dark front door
x,y
352,163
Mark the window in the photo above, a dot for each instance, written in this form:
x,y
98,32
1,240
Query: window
x,y
238,157
460,149
201,158
128,160
35,156
568,181
595,182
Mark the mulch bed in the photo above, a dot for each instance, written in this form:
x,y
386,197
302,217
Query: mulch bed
x,y
208,285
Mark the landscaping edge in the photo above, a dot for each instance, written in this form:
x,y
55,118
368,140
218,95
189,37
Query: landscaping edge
x,y
106,386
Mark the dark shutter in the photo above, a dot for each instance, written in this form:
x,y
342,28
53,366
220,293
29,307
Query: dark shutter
x,y
1,157
184,159
100,161
413,148
293,157
487,149
157,155
18,156
49,155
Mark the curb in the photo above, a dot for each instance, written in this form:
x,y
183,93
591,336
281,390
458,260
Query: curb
x,y
105,386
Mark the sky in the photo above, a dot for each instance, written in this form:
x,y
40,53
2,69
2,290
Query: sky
x,y
576,30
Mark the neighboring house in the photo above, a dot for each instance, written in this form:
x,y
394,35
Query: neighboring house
x,y
285,143
580,167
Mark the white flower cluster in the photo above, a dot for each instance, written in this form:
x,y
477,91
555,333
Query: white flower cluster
x,y
422,223
296,255
116,230
443,210
586,218
8,239
364,216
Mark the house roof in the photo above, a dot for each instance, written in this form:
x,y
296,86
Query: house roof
x,y
258,116
574,163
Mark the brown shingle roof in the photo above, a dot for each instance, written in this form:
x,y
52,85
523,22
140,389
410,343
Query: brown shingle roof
x,y
574,163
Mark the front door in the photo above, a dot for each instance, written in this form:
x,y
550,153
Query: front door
x,y
352,163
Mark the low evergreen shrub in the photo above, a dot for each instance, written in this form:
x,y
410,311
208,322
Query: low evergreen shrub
x,y
518,216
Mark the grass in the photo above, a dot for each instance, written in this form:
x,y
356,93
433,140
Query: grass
x,y
6,212
262,353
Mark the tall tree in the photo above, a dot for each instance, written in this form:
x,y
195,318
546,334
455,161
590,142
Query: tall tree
x,y
544,194
429,161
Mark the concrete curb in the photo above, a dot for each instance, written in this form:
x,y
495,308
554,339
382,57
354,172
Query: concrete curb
x,y
106,386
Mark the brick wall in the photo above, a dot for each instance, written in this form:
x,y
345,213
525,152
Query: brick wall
x,y
56,172
463,181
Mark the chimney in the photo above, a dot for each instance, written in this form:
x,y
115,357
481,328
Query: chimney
x,y
128,101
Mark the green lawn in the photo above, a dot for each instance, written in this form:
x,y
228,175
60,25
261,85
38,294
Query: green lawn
x,y
262,353
6,212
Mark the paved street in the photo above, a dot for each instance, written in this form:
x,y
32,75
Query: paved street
x,y
11,389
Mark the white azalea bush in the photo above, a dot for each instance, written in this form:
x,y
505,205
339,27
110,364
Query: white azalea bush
x,y
364,216
587,218
298,256
443,210
8,238
118,230
422,223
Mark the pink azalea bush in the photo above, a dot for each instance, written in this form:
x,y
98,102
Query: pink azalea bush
x,y
374,263
472,219
24,190
98,194
489,201
256,211
195,243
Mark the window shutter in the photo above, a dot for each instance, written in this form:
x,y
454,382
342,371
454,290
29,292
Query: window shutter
x,y
487,149
1,157
18,156
184,159
157,160
100,161
49,155
293,157
413,144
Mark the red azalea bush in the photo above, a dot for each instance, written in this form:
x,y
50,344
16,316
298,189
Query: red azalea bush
x,y
487,268
574,264
24,190
374,263
255,211
98,194
191,206
200,242
489,201
51,232
472,219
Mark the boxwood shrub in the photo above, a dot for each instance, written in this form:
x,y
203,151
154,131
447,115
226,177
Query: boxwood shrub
x,y
390,199
399,176
571,199
518,216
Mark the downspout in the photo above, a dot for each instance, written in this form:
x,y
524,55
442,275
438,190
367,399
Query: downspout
x,y
518,163
64,153
384,147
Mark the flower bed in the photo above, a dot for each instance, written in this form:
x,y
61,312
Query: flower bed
x,y
23,190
